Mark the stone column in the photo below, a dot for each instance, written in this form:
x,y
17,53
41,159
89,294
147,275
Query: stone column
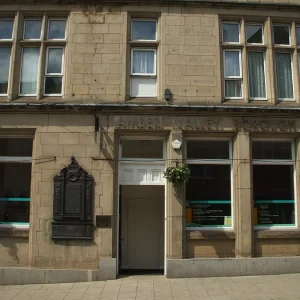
x,y
244,242
175,204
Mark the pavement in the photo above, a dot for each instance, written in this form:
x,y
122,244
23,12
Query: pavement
x,y
159,288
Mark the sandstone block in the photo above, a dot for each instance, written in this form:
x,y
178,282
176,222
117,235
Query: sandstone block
x,y
108,48
100,68
83,28
95,38
99,28
112,58
175,59
80,89
113,38
175,20
82,68
76,78
96,18
92,58
114,19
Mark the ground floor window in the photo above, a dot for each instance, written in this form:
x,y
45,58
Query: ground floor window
x,y
208,192
273,183
15,180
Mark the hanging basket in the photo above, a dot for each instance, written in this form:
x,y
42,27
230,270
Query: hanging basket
x,y
178,174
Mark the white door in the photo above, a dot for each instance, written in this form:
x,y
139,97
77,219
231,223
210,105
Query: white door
x,y
142,227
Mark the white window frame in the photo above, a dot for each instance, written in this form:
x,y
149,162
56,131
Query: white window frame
x,y
232,78
16,159
290,162
281,25
284,99
262,29
228,161
144,20
155,62
24,28
257,98
9,71
37,75
55,74
12,33
48,28
232,23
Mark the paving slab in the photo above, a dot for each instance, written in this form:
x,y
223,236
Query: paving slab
x,y
268,287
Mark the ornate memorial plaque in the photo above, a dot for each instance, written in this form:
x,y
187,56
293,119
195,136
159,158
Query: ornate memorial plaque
x,y
72,203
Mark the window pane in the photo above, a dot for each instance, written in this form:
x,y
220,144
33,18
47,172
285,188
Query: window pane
x,y
284,76
273,192
207,149
4,69
232,63
142,149
6,29
281,34
55,60
254,34
144,30
16,147
14,212
256,69
271,150
208,196
298,35
30,62
143,87
143,62
53,85
231,33
57,29
32,29
15,180
233,88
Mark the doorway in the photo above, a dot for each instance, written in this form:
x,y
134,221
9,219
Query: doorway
x,y
141,208
141,228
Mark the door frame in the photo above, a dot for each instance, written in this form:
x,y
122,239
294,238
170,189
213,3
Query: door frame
x,y
164,161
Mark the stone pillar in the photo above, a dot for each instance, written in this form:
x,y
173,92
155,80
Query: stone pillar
x,y
175,204
244,242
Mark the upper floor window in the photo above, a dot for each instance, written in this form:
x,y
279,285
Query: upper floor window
x,y
143,77
41,52
233,48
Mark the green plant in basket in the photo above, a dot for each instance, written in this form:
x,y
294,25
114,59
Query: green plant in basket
x,y
178,174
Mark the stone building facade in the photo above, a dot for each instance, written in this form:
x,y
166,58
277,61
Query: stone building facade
x,y
114,84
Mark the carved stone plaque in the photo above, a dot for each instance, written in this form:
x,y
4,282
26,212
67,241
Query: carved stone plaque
x,y
73,203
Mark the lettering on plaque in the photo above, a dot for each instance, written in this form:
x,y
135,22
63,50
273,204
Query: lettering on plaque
x,y
73,198
134,122
195,123
265,125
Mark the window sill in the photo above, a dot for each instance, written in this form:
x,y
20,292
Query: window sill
x,y
277,233
14,232
221,234
144,100
144,43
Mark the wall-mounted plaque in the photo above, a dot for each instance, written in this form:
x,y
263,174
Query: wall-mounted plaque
x,y
73,203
